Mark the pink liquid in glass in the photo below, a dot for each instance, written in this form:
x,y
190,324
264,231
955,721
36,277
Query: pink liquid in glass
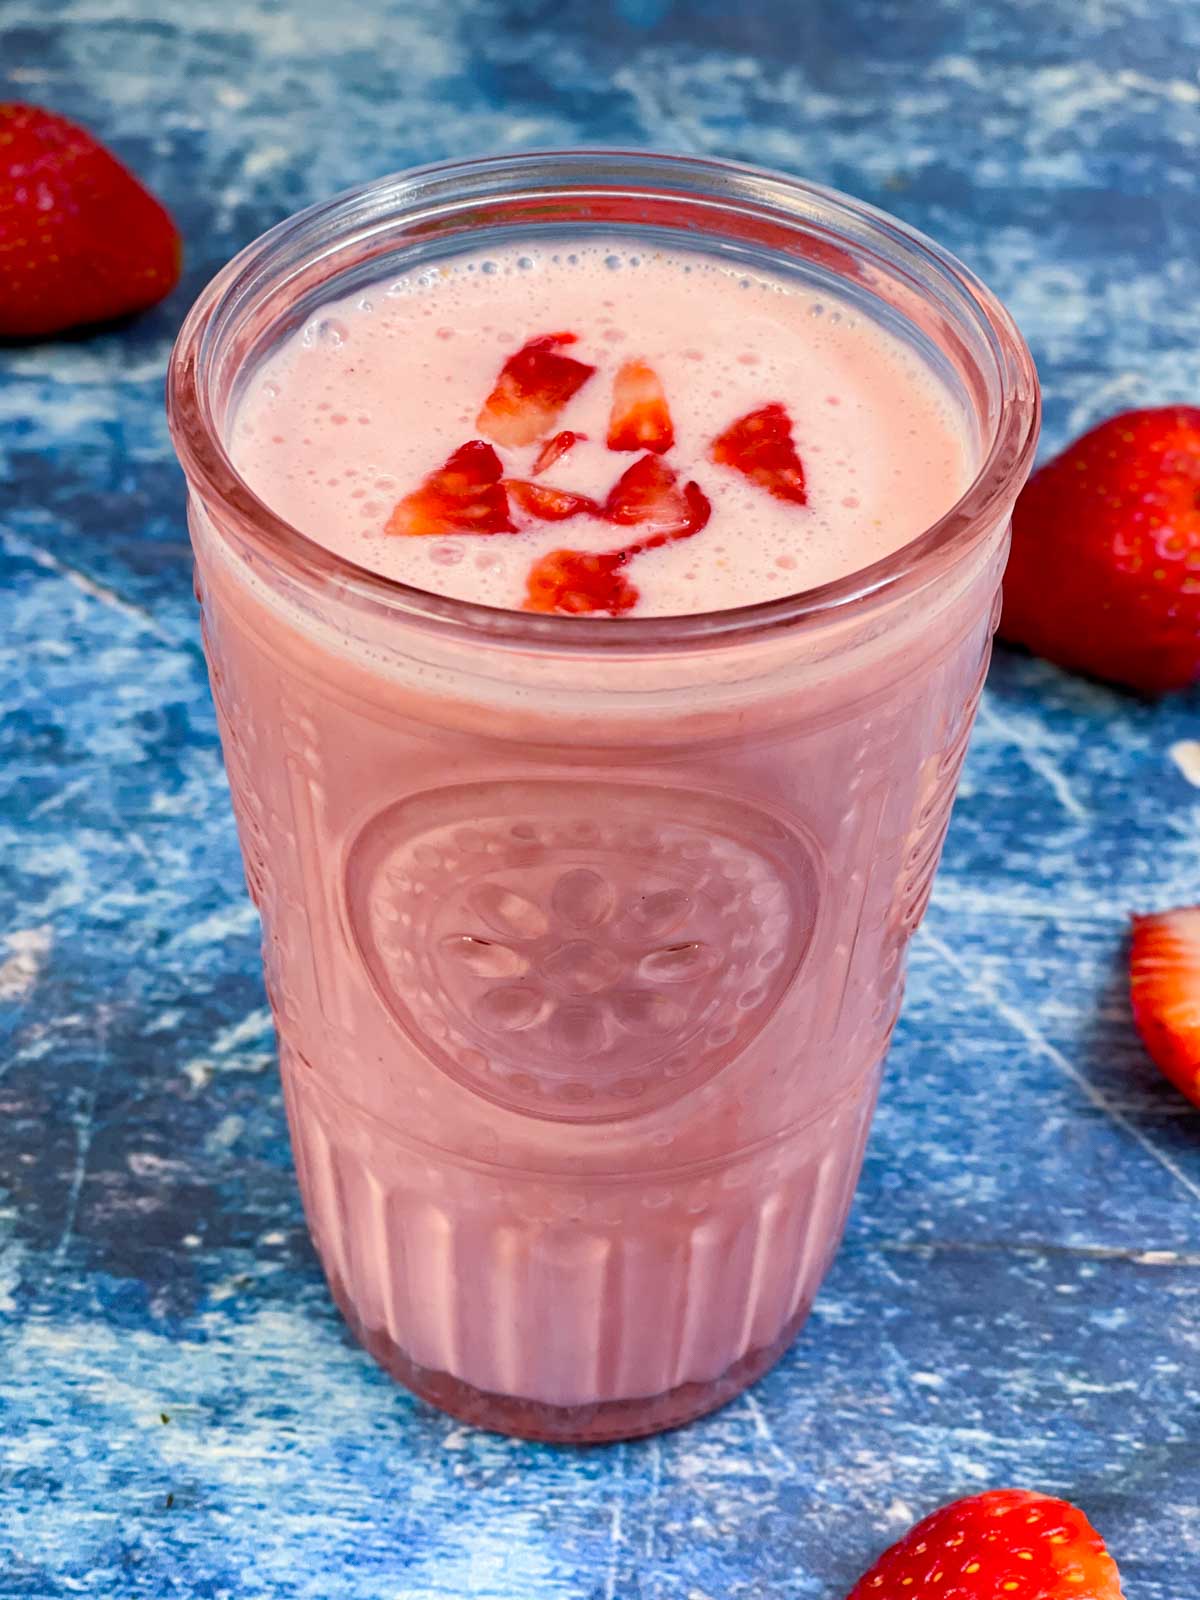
x,y
585,952
378,389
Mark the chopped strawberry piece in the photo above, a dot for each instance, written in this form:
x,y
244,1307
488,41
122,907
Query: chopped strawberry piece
x,y
534,385
551,505
577,582
760,446
1164,974
648,494
554,449
1005,1544
641,418
466,495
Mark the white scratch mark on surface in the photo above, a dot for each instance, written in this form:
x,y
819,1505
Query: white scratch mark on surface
x,y
652,1499
167,1019
62,797
1180,90
264,159
1029,1031
231,920
1016,732
84,1119
10,1277
227,1052
648,91
763,1430
198,1073
153,1168
100,592
979,899
614,1527
225,1135
1185,753
252,1026
20,972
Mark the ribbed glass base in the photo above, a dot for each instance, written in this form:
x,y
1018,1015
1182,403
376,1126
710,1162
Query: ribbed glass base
x,y
602,1423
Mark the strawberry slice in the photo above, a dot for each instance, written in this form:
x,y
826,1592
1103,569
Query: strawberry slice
x,y
466,495
577,582
551,505
534,385
641,418
1164,985
648,494
760,446
554,449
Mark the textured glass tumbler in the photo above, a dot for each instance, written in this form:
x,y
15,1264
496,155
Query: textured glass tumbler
x,y
585,938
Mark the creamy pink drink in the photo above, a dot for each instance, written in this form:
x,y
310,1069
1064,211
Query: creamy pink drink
x,y
596,618
378,389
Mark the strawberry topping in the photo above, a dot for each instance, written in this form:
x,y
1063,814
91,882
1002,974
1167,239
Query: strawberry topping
x,y
576,582
466,495
470,494
555,448
640,419
534,385
550,505
648,495
760,446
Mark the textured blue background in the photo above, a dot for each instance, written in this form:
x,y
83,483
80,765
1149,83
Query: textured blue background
x,y
1017,1297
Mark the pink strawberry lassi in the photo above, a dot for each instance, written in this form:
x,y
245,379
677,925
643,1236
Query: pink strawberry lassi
x,y
592,736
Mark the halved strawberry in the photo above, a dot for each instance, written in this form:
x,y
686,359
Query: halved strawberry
x,y
534,385
580,581
648,495
760,446
466,495
551,505
1164,986
641,418
554,449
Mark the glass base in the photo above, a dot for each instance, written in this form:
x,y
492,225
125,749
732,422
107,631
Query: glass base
x,y
602,1423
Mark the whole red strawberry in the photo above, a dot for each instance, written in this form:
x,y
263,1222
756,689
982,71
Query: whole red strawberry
x,y
80,239
1104,576
1007,1544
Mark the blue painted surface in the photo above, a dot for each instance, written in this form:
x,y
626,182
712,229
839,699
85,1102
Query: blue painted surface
x,y
1017,1296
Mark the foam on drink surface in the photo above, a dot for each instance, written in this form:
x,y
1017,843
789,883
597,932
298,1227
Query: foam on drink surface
x,y
349,415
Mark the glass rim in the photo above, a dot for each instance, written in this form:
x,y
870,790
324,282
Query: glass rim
x,y
581,171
